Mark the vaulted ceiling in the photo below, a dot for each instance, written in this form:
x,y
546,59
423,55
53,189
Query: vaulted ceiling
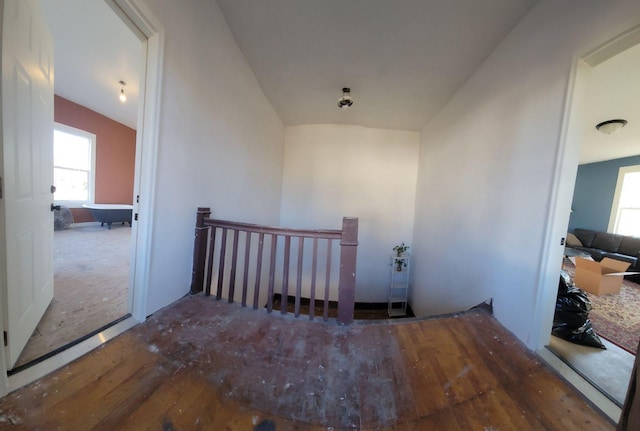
x,y
402,59
93,51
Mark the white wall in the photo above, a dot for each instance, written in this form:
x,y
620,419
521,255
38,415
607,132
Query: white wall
x,y
487,164
331,171
220,141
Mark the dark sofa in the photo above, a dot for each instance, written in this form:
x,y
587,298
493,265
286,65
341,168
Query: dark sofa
x,y
602,244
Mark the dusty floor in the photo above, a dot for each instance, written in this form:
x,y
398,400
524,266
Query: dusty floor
x,y
201,364
91,283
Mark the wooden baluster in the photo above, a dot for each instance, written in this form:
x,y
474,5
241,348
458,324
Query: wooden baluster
x,y
256,290
285,275
199,250
272,272
234,264
223,252
347,283
212,249
314,267
327,281
299,279
245,278
203,270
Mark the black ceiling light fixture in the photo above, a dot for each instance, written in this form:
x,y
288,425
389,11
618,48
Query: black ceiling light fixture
x,y
123,97
345,101
611,126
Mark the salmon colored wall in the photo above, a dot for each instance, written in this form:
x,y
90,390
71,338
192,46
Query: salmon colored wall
x,y
115,153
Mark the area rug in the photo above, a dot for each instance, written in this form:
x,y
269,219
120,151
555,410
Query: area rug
x,y
615,317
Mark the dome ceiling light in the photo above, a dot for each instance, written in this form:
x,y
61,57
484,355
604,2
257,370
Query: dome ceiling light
x,y
611,126
345,101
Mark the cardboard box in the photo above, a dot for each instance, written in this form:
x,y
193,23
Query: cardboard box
x,y
600,278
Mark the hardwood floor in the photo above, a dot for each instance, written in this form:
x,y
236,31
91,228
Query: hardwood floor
x,y
205,365
91,284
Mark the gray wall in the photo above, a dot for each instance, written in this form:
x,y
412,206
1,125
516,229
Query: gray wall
x,y
593,194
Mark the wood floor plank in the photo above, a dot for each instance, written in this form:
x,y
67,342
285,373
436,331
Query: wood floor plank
x,y
542,389
186,402
423,373
442,420
119,391
494,411
203,364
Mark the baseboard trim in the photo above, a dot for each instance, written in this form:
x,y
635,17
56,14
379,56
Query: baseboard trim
x,y
277,297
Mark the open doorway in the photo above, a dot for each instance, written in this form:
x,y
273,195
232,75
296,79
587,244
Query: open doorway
x,y
141,21
612,92
98,60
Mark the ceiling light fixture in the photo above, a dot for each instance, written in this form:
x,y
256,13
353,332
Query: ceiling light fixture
x,y
123,97
611,126
345,101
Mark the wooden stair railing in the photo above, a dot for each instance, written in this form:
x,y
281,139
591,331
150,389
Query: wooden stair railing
x,y
208,245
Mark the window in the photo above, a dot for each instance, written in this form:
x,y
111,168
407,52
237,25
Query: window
x,y
625,212
73,165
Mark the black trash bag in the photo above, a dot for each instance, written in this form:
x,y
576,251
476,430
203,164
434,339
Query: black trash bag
x,y
571,319
574,300
565,283
584,335
571,299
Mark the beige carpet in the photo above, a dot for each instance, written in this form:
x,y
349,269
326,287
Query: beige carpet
x,y
91,266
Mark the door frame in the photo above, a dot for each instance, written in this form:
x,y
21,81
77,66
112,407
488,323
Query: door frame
x,y
565,171
136,15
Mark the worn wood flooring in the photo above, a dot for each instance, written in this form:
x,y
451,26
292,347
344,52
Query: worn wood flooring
x,y
91,283
205,365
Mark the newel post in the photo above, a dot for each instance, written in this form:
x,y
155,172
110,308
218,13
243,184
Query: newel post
x,y
347,283
199,250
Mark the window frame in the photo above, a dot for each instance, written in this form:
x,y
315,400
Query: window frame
x,y
614,216
91,137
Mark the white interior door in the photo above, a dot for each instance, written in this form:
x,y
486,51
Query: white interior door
x,y
27,134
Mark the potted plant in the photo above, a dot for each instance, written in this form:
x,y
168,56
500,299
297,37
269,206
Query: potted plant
x,y
399,264
400,250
